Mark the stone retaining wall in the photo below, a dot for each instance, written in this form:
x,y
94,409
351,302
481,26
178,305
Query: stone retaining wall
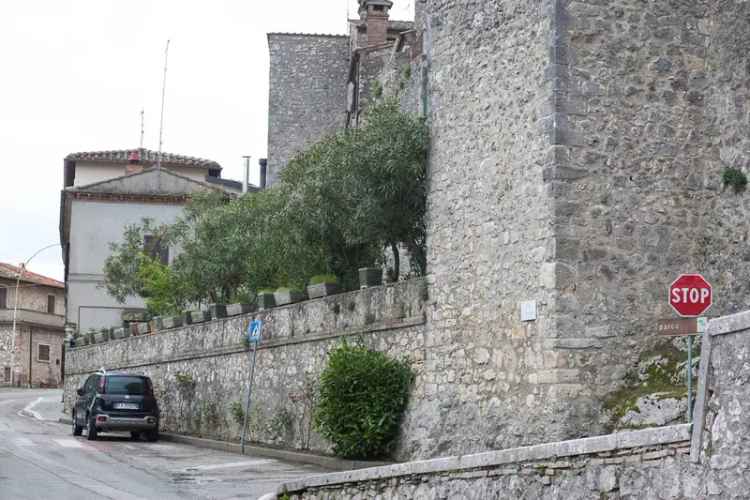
x,y
200,371
625,465
651,463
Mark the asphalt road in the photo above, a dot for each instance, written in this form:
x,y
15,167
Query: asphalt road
x,y
40,459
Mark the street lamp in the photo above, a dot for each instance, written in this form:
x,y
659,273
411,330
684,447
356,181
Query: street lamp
x,y
15,312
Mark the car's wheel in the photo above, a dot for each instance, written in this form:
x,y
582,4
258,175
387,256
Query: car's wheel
x,y
91,433
77,429
135,435
152,435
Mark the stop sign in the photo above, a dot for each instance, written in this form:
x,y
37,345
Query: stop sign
x,y
690,295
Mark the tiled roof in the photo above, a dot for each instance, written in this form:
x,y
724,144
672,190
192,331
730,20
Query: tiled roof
x,y
144,155
290,33
9,271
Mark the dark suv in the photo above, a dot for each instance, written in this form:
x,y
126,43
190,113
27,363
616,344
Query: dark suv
x,y
116,401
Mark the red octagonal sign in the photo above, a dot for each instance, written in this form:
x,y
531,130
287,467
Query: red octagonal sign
x,y
690,295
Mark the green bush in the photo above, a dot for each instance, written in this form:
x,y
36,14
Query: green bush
x,y
735,178
328,279
363,394
238,412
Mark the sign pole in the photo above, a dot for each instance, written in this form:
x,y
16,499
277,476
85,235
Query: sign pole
x,y
689,373
249,396
253,336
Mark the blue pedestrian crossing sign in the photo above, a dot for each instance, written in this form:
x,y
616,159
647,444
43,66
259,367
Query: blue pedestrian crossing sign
x,y
253,331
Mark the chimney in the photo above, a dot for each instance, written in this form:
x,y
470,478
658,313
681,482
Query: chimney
x,y
263,162
246,177
134,163
374,17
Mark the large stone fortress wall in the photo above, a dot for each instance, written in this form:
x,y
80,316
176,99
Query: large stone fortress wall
x,y
577,152
649,107
307,93
492,381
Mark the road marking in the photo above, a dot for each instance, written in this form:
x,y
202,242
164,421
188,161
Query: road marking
x,y
68,443
228,465
28,409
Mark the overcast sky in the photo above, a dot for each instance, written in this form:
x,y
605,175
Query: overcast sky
x,y
76,74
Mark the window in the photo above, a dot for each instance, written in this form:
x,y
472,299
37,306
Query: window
x,y
7,373
153,247
51,304
126,385
43,353
3,297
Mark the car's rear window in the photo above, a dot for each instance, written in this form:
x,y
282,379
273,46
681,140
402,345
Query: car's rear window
x,y
126,385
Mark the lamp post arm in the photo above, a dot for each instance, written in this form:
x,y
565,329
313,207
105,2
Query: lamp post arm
x,y
15,312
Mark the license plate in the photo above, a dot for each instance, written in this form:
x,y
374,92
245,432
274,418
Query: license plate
x,y
126,406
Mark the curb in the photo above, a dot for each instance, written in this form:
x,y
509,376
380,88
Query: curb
x,y
300,457
263,451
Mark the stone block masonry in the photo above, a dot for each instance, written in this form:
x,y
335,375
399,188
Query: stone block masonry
x,y
576,160
706,460
307,93
200,371
626,465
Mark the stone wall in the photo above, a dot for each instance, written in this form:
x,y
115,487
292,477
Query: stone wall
x,y
723,404
32,297
491,380
200,371
639,464
665,462
307,93
44,373
576,161
648,110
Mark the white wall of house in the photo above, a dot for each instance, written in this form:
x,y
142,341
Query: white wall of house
x,y
91,172
94,225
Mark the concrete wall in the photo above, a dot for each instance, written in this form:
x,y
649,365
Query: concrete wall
x,y
307,93
93,226
212,362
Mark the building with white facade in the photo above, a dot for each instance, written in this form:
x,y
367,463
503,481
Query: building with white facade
x,y
103,193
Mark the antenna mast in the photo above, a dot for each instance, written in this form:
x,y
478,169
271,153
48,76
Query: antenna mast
x,y
161,119
141,128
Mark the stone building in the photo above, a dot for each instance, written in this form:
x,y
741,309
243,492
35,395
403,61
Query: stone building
x,y
36,352
576,170
106,191
320,83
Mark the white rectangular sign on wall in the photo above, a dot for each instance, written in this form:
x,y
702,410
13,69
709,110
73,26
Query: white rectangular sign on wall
x,y
528,310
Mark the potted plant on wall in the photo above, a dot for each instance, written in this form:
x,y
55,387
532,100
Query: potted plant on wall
x,y
322,285
287,295
265,298
370,276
